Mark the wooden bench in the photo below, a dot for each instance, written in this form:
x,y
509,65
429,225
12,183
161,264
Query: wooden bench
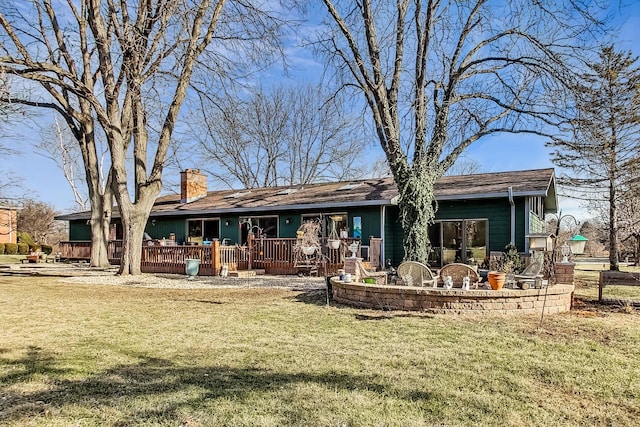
x,y
619,278
30,259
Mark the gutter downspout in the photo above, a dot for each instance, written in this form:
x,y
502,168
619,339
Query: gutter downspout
x,y
382,234
513,216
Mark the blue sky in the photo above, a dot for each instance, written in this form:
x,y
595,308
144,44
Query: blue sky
x,y
43,180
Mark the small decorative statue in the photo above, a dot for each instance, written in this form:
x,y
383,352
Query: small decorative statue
x,y
353,248
466,282
448,282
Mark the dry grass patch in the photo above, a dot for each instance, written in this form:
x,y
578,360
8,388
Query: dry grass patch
x,y
109,355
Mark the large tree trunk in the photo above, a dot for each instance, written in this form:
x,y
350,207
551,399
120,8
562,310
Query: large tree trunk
x,y
100,198
417,212
100,228
134,218
614,264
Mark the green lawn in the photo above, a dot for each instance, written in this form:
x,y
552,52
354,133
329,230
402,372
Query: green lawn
x,y
105,355
10,259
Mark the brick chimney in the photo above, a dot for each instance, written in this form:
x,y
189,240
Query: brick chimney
x,y
193,185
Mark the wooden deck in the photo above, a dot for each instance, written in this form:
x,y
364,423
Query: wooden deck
x,y
273,255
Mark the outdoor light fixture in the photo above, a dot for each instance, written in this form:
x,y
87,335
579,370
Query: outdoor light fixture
x,y
153,222
227,223
540,242
565,250
287,221
577,244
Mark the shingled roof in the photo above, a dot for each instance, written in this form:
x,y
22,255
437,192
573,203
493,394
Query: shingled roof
x,y
368,192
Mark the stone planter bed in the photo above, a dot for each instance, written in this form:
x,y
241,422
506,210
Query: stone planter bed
x,y
454,301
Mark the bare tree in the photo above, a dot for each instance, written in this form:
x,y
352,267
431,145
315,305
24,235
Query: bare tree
x,y
601,150
127,67
37,219
45,54
464,166
287,136
8,112
439,75
59,145
629,225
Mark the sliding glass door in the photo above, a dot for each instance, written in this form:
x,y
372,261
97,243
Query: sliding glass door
x,y
458,241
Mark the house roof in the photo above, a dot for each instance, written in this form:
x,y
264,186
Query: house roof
x,y
368,192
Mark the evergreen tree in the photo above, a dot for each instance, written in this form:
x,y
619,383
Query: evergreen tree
x,y
601,148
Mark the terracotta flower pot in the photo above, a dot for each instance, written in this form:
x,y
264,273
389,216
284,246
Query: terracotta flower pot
x,y
496,279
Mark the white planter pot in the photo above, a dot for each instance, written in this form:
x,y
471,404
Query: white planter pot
x,y
333,244
308,250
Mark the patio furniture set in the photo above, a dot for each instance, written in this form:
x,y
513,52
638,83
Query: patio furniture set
x,y
454,275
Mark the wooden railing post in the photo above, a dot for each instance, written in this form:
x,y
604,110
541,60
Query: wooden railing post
x,y
215,257
600,286
250,244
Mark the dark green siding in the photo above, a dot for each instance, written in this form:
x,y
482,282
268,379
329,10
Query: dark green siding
x,y
79,230
162,227
496,211
230,231
393,236
370,222
289,230
520,223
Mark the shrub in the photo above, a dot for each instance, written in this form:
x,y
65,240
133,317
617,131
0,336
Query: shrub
x,y
24,237
23,248
47,249
11,248
1,248
513,262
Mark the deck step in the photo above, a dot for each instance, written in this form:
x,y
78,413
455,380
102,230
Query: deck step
x,y
246,273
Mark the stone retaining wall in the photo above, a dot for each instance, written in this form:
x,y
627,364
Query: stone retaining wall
x,y
454,301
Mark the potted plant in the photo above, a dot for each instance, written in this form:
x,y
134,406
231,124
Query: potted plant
x,y
308,242
496,279
308,250
333,241
505,267
333,244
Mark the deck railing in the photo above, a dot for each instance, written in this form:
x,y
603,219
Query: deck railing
x,y
171,259
81,250
274,255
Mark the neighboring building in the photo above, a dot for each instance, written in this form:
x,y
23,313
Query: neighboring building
x,y
476,213
8,224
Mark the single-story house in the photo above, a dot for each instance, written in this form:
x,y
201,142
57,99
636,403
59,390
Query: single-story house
x,y
476,213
